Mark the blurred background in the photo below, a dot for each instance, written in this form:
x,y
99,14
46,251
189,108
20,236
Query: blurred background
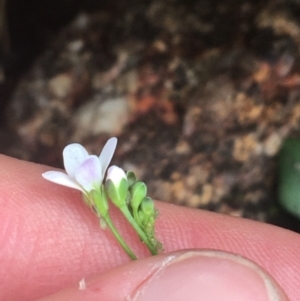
x,y
204,95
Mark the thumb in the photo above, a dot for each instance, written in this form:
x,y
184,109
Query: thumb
x,y
186,275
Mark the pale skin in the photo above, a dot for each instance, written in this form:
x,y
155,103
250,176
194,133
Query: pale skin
x,y
50,240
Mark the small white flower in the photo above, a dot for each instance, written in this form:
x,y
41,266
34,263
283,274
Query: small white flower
x,y
116,185
84,172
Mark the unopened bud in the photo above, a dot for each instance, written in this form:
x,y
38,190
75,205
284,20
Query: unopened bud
x,y
131,178
147,206
116,185
138,192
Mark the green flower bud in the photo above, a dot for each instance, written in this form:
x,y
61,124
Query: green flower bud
x,y
147,206
131,178
138,192
141,217
149,226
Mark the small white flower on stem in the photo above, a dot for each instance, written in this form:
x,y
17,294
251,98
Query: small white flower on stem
x,y
116,185
84,172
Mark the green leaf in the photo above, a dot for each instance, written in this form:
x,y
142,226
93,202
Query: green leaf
x,y
289,176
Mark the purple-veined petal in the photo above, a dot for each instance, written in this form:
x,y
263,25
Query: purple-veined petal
x,y
74,154
89,173
61,178
107,153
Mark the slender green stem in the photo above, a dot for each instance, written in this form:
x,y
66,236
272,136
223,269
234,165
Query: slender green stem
x,y
118,236
138,229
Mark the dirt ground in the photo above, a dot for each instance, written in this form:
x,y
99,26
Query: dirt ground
x,y
201,95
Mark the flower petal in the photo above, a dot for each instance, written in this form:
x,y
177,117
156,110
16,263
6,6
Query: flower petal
x,y
107,153
74,154
116,174
89,173
61,178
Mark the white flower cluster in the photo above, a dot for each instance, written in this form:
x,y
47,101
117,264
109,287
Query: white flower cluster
x,y
86,173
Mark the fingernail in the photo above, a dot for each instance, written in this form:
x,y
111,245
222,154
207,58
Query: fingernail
x,y
209,275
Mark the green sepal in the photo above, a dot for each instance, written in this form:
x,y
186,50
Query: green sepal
x,y
117,195
100,201
87,200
